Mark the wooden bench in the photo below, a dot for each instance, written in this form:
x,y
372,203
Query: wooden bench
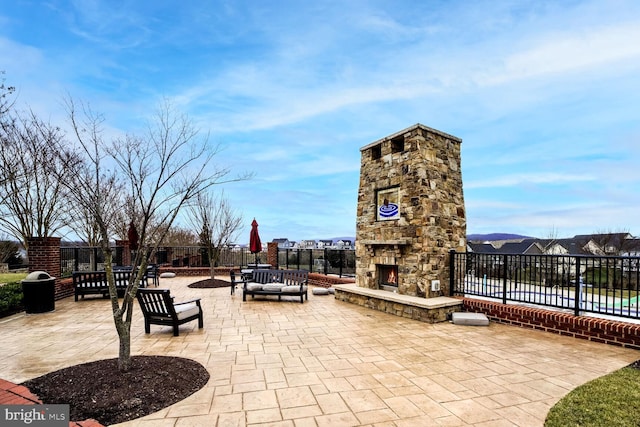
x,y
95,283
158,308
277,282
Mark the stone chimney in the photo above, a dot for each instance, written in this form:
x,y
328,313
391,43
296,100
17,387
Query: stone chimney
x,y
410,212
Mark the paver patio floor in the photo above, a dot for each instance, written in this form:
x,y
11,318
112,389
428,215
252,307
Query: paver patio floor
x,y
322,363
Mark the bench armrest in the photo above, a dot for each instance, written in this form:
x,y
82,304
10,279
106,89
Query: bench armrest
x,y
197,301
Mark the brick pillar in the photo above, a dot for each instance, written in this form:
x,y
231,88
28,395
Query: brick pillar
x,y
44,255
272,254
126,251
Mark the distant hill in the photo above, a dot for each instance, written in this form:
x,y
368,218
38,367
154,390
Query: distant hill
x,y
495,236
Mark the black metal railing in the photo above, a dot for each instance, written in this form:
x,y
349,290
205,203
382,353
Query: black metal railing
x,y
86,258
341,262
582,284
90,258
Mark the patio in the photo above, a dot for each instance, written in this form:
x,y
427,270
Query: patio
x,y
322,363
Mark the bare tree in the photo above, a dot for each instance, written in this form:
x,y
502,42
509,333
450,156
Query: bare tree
x,y
179,236
33,155
160,173
5,96
9,252
218,223
613,242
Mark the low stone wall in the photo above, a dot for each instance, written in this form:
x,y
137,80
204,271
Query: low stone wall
x,y
605,331
429,310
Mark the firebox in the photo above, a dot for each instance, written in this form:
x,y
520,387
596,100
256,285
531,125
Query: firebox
x,y
388,277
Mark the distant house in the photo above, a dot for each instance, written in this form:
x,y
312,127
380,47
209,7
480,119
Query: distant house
x,y
571,246
609,243
632,249
307,244
481,248
344,244
283,243
525,247
325,244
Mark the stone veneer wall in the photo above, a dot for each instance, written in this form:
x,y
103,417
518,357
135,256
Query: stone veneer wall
x,y
423,314
424,165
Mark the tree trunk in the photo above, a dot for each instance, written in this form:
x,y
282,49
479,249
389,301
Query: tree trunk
x,y
121,314
124,354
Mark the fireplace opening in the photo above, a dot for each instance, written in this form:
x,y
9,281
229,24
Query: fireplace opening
x,y
388,277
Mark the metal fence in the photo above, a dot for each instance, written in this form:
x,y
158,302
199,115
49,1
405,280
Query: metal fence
x,y
341,262
582,284
91,258
81,259
328,261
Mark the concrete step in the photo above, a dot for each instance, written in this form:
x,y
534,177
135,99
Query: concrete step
x,y
470,319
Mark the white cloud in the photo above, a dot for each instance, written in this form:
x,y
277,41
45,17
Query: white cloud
x,y
516,180
570,52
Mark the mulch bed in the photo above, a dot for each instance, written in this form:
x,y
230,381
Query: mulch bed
x,y
210,283
100,391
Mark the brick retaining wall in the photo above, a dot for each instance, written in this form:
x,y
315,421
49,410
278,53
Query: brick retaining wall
x,y
64,288
605,331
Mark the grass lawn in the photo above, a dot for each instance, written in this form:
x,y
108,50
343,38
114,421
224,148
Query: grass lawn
x,y
11,277
611,400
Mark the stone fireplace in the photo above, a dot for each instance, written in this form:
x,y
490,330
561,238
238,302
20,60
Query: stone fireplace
x,y
410,212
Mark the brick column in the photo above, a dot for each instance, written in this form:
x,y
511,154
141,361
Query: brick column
x,y
272,254
126,251
44,255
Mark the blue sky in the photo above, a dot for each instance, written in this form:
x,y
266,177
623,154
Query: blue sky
x,y
544,95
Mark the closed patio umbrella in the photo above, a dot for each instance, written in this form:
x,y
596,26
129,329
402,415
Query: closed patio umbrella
x,y
132,235
255,245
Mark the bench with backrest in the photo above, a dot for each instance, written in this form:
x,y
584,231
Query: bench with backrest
x,y
158,308
277,282
95,283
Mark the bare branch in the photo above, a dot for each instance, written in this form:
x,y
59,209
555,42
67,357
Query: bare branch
x,y
33,156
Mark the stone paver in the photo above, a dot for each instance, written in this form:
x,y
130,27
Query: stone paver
x,y
322,363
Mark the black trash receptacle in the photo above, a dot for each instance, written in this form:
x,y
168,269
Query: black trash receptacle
x,y
39,291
